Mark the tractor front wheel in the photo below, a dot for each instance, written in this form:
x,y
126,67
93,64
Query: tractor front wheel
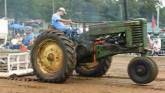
x,y
142,70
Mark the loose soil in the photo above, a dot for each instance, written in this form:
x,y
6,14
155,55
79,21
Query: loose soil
x,y
115,81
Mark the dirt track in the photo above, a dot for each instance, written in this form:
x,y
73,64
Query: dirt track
x,y
117,83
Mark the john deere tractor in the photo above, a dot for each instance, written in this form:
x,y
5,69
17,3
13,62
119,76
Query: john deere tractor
x,y
56,55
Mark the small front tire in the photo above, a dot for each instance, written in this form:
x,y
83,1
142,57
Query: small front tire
x,y
142,70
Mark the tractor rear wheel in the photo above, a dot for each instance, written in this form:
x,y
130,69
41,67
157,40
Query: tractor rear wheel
x,y
53,56
93,69
142,70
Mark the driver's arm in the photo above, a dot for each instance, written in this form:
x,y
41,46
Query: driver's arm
x,y
65,21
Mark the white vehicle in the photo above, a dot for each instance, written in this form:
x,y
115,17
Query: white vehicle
x,y
14,64
3,31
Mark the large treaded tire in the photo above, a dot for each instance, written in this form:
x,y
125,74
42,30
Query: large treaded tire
x,y
69,58
142,70
97,71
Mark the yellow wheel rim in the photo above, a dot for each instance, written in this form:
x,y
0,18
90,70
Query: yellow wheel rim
x,y
50,57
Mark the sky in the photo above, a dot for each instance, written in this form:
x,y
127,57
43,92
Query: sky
x,y
163,1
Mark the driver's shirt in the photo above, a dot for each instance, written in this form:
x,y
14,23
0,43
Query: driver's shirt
x,y
57,24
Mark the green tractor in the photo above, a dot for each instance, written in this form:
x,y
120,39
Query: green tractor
x,y
56,55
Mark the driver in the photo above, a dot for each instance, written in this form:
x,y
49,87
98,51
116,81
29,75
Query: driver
x,y
59,23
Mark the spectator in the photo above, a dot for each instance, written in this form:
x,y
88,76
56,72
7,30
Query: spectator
x,y
16,42
27,41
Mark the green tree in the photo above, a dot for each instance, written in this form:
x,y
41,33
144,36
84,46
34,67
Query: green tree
x,y
83,10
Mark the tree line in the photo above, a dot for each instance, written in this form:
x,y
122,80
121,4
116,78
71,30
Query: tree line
x,y
82,10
